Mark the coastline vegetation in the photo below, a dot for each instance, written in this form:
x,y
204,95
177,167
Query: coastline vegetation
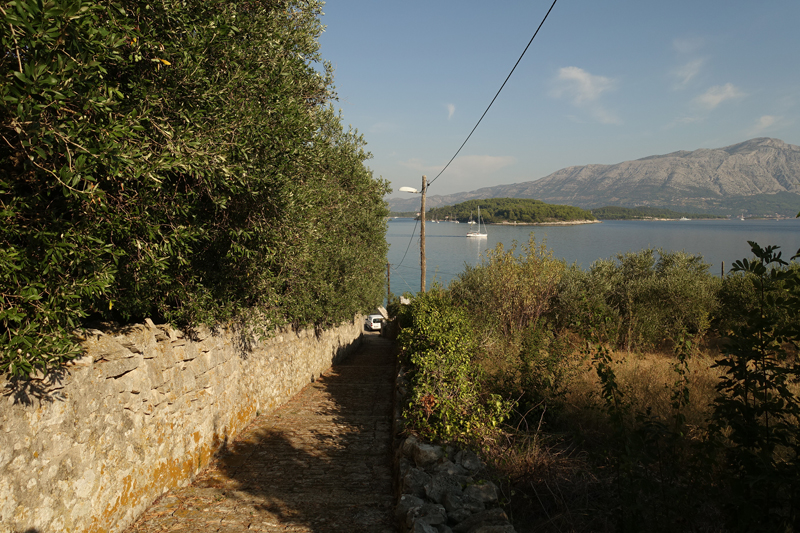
x,y
644,213
644,394
500,210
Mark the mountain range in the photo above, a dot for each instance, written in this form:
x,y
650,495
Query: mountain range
x,y
757,177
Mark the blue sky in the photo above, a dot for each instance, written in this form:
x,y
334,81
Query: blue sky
x,y
603,82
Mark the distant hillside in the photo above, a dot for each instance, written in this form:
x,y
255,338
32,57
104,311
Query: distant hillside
x,y
759,176
500,210
644,213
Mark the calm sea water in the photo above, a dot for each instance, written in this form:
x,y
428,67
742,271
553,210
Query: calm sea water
x,y
448,250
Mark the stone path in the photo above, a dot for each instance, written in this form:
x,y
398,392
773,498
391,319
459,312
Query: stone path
x,y
321,463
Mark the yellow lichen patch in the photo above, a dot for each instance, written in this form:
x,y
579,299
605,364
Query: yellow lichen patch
x,y
204,456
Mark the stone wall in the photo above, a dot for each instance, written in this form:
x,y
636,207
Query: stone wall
x,y
91,447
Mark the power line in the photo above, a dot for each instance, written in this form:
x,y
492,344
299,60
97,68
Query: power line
x,y
409,244
496,95
404,281
481,119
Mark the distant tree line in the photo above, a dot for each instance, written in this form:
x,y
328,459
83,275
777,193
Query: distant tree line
x,y
639,213
498,210
180,161
784,203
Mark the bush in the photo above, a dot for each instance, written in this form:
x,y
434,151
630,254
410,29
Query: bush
x,y
447,401
580,304
180,161
638,301
755,426
737,296
508,291
545,368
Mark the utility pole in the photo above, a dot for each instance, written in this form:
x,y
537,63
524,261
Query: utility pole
x,y
422,229
422,234
388,282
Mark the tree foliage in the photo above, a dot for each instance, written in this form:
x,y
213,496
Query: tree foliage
x,y
637,301
509,290
756,420
497,210
640,213
179,160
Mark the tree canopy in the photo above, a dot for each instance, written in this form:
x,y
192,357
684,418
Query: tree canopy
x,y
178,160
498,210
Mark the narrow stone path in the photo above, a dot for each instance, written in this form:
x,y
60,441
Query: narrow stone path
x,y
321,463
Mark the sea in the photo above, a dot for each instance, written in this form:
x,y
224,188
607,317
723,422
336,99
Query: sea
x,y
720,242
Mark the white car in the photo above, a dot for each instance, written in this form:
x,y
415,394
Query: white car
x,y
373,322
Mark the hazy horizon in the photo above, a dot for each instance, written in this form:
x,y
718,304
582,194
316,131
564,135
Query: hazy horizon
x,y
602,83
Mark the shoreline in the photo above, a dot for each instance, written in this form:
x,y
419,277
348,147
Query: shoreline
x,y
561,223
649,219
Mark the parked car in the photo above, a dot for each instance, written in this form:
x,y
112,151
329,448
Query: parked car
x,y
373,322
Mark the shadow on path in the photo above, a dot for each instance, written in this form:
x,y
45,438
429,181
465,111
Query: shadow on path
x,y
321,463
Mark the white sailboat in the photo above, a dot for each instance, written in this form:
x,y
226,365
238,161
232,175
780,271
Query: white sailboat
x,y
478,232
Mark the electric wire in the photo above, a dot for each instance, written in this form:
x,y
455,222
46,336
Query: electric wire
x,y
406,282
496,95
409,244
481,119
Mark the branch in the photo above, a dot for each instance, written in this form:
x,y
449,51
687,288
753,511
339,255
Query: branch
x,y
16,45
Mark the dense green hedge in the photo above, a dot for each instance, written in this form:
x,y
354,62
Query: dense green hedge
x,y
179,160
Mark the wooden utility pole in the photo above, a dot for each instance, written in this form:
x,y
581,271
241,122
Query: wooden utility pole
x,y
422,234
388,282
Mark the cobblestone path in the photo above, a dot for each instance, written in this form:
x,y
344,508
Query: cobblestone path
x,y
321,463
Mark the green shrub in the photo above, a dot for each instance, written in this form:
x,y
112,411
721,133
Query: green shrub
x,y
509,291
544,368
638,301
737,297
755,426
580,304
447,400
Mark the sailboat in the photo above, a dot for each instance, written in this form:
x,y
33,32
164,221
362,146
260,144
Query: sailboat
x,y
478,232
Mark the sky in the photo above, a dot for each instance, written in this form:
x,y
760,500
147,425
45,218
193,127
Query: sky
x,y
603,82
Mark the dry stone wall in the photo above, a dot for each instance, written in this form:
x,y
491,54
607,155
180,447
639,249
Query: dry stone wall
x,y
89,448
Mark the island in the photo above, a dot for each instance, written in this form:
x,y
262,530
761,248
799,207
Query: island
x,y
515,211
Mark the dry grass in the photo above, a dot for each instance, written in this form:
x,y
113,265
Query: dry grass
x,y
562,466
551,485
647,382
558,479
